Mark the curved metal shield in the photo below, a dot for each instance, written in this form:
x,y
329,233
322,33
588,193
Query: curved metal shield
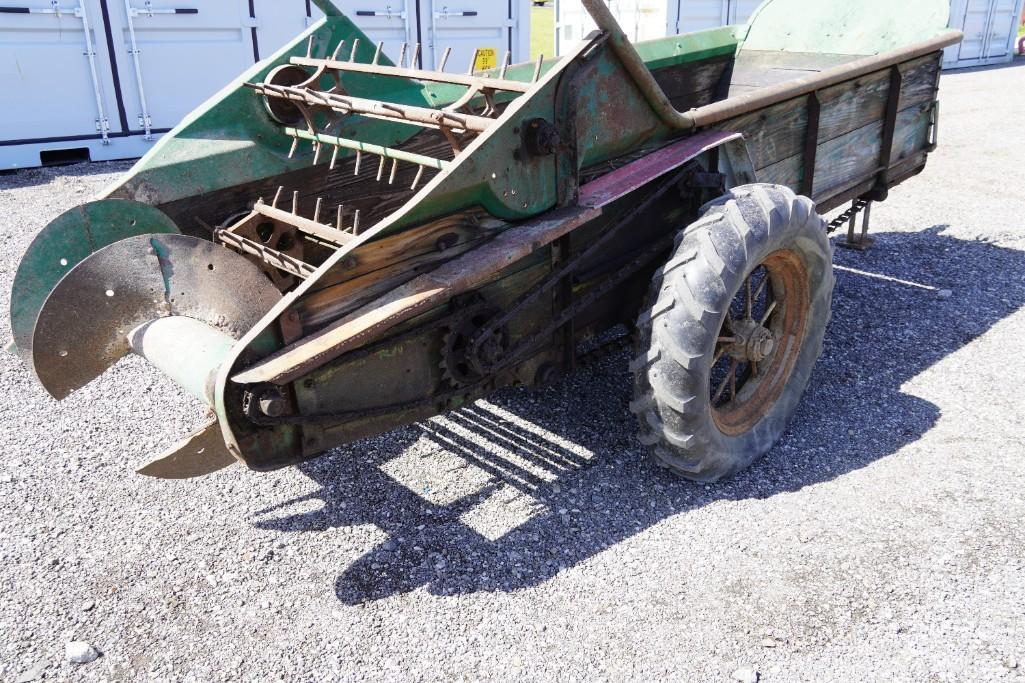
x,y
82,328
63,244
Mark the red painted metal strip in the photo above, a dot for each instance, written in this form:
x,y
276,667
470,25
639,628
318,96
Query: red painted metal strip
x,y
639,173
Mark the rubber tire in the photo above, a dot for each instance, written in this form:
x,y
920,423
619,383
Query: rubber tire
x,y
684,314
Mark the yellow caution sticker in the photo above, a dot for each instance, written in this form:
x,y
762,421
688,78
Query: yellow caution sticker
x,y
486,58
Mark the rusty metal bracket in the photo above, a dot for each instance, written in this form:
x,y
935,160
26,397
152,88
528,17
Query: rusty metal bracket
x,y
881,189
811,144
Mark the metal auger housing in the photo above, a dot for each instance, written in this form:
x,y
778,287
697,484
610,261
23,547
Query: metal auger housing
x,y
338,244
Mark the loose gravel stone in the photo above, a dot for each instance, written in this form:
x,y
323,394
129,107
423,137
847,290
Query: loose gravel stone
x,y
745,674
80,652
880,540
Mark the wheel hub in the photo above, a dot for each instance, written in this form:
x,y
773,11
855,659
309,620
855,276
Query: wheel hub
x,y
753,342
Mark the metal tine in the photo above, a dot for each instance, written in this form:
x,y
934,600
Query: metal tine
x,y
402,54
294,147
537,68
359,161
473,62
277,196
316,210
338,49
415,58
444,58
341,212
309,48
355,223
316,153
506,61
355,46
377,52
416,180
394,169
334,158
380,170
295,201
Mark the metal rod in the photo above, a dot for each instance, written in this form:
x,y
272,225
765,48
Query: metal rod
x,y
380,169
146,120
537,68
405,113
402,54
355,223
444,58
379,150
355,46
416,180
394,169
334,158
277,196
310,227
473,62
102,123
377,52
338,220
316,210
287,263
338,49
500,83
295,202
359,161
506,61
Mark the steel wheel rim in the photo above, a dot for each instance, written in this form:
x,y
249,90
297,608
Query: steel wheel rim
x,y
748,373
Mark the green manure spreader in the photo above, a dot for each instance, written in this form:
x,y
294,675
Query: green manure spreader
x,y
341,242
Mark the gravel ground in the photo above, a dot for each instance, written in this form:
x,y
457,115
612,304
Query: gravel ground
x,y
527,536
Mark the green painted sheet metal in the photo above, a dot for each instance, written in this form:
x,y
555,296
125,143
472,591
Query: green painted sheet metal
x,y
689,47
860,27
64,243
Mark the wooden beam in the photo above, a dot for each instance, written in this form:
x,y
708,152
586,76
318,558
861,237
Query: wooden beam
x,y
416,296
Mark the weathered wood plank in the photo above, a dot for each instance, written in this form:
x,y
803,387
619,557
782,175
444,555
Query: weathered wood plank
x,y
777,133
853,156
694,85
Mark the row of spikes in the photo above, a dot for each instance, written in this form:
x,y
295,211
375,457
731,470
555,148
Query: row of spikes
x,y
359,161
415,56
339,223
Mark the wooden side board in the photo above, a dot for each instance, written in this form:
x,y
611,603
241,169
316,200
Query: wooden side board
x,y
777,133
693,84
854,155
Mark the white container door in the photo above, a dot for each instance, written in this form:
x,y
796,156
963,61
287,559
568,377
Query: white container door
x,y
696,15
741,10
279,21
53,89
174,54
469,26
639,19
989,31
1003,22
642,19
392,21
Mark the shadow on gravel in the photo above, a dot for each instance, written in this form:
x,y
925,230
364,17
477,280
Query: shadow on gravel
x,y
890,323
